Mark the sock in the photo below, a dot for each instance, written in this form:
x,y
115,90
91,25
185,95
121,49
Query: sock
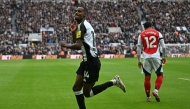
x,y
155,90
99,88
113,81
80,99
147,86
158,82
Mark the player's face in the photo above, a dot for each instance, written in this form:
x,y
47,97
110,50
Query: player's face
x,y
80,14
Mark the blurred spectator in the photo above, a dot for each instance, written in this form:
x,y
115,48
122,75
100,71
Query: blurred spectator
x,y
166,16
30,17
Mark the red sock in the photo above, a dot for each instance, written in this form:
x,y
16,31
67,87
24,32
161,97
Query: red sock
x,y
147,86
158,82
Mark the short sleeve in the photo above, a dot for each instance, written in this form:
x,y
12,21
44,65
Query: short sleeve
x,y
81,32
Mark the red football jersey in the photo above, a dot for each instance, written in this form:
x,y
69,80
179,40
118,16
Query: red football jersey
x,y
150,40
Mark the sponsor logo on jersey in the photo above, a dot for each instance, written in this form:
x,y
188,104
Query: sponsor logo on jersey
x,y
78,34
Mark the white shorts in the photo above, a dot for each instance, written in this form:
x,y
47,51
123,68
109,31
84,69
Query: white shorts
x,y
150,64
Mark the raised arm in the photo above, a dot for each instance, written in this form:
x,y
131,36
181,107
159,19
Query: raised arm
x,y
78,37
73,28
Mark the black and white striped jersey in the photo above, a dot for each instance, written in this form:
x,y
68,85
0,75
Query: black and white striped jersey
x,y
85,32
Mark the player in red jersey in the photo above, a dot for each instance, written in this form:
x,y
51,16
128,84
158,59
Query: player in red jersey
x,y
149,40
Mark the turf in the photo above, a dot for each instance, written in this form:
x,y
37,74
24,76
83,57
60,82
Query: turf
x,y
47,84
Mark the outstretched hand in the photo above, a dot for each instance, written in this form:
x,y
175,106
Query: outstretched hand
x,y
73,26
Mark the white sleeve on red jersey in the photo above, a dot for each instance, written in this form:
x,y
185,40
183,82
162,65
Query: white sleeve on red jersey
x,y
139,41
139,45
162,43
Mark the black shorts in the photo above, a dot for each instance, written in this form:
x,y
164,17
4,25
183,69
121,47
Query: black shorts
x,y
90,70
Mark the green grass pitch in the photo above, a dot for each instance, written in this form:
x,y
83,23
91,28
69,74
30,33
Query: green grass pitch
x,y
47,84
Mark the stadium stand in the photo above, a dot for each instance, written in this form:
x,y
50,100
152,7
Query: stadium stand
x,y
123,18
170,18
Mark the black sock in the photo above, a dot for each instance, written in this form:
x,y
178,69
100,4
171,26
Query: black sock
x,y
80,101
99,88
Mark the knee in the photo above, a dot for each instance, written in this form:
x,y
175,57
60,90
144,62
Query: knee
x,y
160,74
87,95
76,88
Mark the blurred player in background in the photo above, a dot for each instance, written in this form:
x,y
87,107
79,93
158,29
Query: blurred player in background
x,y
149,40
84,39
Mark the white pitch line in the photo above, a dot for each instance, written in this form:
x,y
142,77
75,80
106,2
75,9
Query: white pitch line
x,y
184,79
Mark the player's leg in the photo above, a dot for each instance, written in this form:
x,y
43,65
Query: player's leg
x,y
77,87
159,80
92,75
90,90
147,69
158,84
147,86
159,72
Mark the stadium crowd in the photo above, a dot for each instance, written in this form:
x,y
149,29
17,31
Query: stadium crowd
x,y
29,17
166,17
